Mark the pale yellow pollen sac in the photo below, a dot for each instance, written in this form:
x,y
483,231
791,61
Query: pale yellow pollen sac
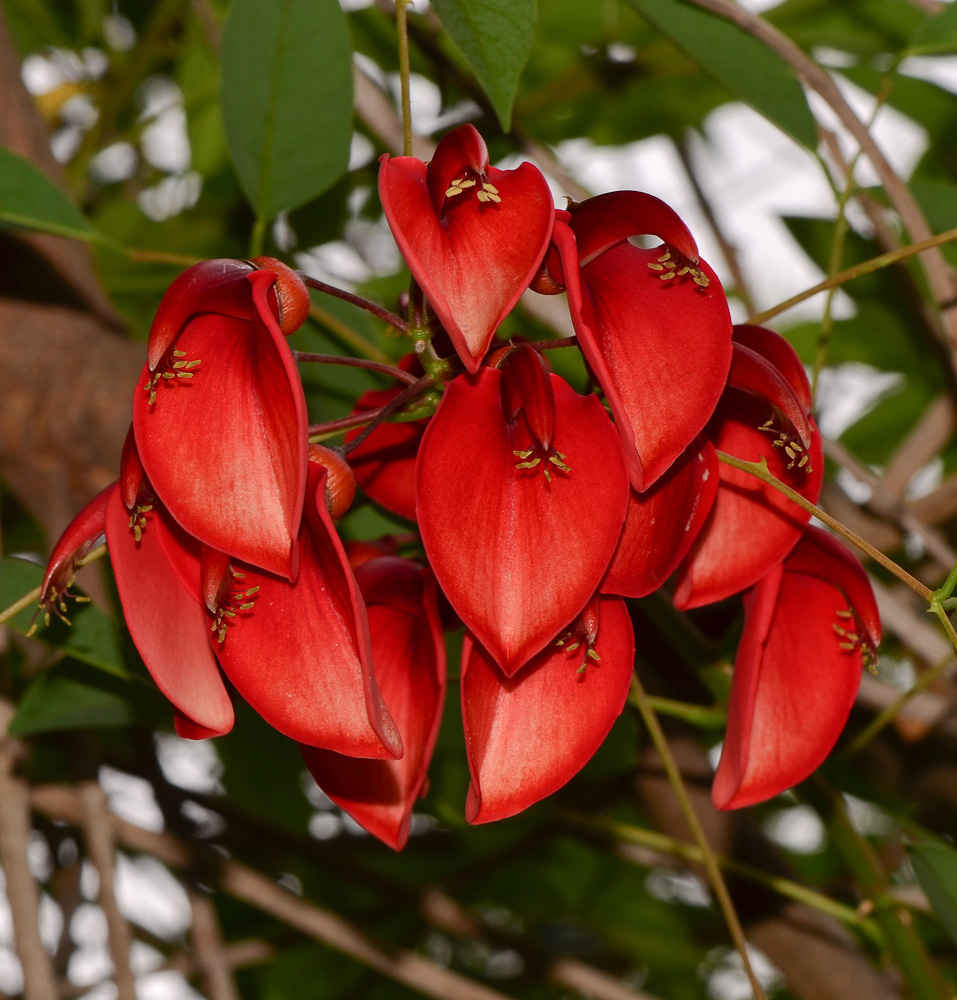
x,y
793,448
488,193
556,459
138,520
459,186
235,601
179,369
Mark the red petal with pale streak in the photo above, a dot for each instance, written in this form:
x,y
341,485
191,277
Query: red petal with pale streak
x,y
518,557
384,464
662,523
793,686
660,349
608,219
529,734
167,622
473,262
226,451
408,651
776,350
212,286
301,656
752,526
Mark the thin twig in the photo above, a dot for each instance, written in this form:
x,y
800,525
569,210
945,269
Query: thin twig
x,y
760,470
59,802
416,388
208,952
101,850
640,699
339,359
402,29
39,981
356,300
857,271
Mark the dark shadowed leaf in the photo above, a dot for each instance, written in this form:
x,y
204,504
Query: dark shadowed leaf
x,y
751,71
30,200
495,36
935,866
287,99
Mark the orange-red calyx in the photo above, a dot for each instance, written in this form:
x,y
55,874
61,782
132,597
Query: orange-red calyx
x,y
292,295
340,489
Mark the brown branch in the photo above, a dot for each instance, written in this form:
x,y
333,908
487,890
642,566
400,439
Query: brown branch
x,y
39,982
940,276
101,850
208,951
925,440
59,802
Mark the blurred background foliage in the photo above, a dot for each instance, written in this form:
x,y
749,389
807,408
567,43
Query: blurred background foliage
x,y
183,130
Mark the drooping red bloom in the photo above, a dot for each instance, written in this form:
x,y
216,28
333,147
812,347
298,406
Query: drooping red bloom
x,y
653,324
219,412
473,236
301,654
810,625
764,412
527,735
521,493
408,651
663,522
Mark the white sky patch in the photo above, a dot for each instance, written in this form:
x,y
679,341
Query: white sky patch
x,y
727,980
848,392
190,764
941,70
131,798
677,887
149,895
797,829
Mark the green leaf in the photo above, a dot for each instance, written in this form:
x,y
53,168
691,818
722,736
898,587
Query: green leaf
x,y
30,200
93,636
287,99
750,70
935,866
73,696
495,37
935,35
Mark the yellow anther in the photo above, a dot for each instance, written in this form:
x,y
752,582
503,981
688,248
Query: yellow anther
x,y
844,613
665,256
522,454
657,267
527,465
667,277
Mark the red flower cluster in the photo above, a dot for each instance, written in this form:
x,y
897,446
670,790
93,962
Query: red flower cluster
x,y
538,513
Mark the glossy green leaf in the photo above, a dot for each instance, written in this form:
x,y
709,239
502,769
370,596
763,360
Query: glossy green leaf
x,y
287,99
30,200
71,695
935,866
495,37
92,636
751,71
937,34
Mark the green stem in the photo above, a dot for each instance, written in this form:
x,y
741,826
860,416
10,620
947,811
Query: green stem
x,y
258,236
857,271
889,712
356,300
663,844
707,855
346,335
904,944
760,470
402,28
702,716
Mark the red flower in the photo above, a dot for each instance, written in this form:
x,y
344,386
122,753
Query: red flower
x,y
219,412
520,499
408,651
809,626
765,412
527,735
652,324
472,236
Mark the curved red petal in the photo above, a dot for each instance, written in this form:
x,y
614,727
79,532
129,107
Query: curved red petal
x,y
660,349
752,526
529,734
211,286
301,656
662,523
384,464
609,219
778,352
821,554
226,450
461,149
474,261
793,689
408,651
516,555
750,372
168,623
186,729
